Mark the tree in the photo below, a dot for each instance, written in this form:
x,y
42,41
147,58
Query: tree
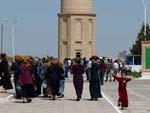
x,y
122,54
136,47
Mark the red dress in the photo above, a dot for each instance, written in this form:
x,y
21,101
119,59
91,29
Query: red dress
x,y
123,96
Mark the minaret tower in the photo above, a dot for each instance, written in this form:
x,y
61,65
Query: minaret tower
x,y
76,29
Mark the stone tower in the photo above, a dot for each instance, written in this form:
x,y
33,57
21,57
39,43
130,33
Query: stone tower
x,y
76,29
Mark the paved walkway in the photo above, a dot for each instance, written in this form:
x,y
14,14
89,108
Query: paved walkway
x,y
139,98
138,92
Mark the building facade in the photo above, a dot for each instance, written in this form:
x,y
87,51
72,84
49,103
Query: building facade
x,y
145,59
76,29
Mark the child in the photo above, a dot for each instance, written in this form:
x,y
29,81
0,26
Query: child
x,y
123,96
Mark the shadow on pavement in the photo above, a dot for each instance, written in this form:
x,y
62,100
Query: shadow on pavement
x,y
71,99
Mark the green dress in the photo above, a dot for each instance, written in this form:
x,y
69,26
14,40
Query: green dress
x,y
95,88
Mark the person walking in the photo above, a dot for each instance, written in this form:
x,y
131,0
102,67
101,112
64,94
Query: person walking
x,y
62,79
115,68
102,71
66,64
122,91
26,81
109,70
4,74
41,71
95,86
54,78
16,71
77,71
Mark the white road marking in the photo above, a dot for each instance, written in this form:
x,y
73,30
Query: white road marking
x,y
116,108
9,97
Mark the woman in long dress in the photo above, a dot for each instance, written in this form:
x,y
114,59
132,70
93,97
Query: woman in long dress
x,y
77,71
4,73
95,87
26,81
122,91
54,76
62,79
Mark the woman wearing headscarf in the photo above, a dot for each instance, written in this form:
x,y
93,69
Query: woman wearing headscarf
x,y
54,76
26,81
15,67
60,69
4,73
77,71
95,87
122,90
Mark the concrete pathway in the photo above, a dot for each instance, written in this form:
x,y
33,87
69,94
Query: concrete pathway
x,y
139,101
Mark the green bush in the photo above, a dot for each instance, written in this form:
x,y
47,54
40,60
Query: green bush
x,y
135,74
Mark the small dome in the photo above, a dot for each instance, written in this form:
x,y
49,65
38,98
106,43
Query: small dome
x,y
76,6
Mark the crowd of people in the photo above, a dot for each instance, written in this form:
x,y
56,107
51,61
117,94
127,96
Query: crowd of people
x,y
46,76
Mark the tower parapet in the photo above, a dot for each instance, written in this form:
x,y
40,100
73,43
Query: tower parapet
x,y
76,6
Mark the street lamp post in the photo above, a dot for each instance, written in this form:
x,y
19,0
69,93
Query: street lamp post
x,y
145,15
13,39
2,38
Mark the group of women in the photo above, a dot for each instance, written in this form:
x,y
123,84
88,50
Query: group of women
x,y
94,82
47,76
32,77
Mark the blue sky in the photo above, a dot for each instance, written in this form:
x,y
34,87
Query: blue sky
x,y
117,25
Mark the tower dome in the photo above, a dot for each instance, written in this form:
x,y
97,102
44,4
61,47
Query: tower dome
x,y
76,6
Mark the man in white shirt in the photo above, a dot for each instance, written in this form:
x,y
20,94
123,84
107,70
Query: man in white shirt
x,y
115,68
